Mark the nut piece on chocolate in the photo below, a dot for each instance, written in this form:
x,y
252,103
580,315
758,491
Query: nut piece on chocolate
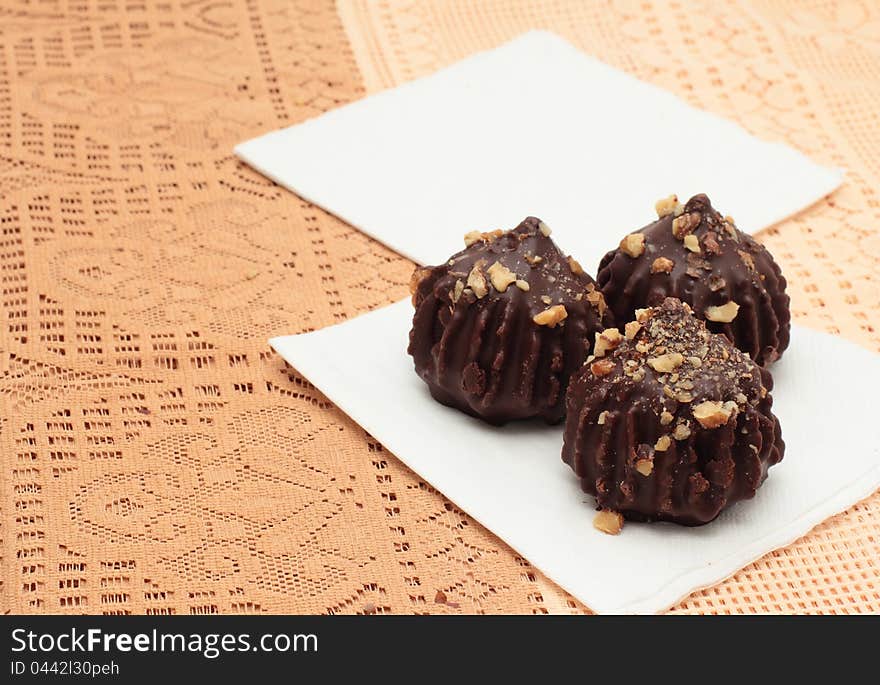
x,y
694,254
500,327
677,427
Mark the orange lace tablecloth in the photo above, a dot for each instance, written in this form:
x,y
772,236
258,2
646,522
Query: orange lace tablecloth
x,y
157,457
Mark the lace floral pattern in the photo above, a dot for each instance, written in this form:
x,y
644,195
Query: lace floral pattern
x,y
158,458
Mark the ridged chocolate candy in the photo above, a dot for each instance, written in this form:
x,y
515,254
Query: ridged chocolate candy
x,y
696,255
500,327
669,422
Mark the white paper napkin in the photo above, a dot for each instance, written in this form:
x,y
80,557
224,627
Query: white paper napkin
x,y
534,127
513,481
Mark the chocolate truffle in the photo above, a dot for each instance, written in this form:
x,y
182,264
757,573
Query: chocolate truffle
x,y
500,327
694,254
669,421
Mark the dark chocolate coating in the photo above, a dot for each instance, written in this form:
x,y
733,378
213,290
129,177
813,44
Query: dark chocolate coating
x,y
729,266
479,348
676,445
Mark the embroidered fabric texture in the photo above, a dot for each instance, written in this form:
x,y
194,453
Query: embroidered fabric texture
x,y
157,457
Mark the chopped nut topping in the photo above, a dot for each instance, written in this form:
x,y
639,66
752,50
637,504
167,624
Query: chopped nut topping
x,y
711,244
602,417
716,283
602,367
575,266
643,315
730,227
666,363
533,259
417,277
682,431
472,237
685,223
544,228
724,313
747,259
501,276
662,265
610,522
689,366
457,290
696,264
712,414
668,205
546,299
645,466
631,329
608,339
597,299
633,244
691,243
550,316
522,285
477,281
